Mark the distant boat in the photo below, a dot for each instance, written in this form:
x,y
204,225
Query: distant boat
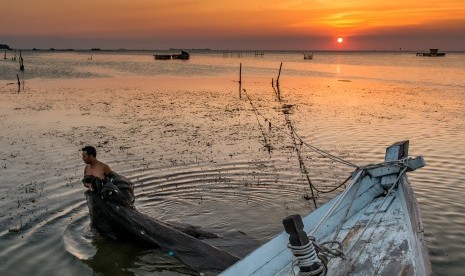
x,y
183,55
432,53
162,57
308,56
372,228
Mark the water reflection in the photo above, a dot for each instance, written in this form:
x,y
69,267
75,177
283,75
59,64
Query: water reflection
x,y
195,152
129,259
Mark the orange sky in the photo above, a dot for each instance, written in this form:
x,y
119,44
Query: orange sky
x,y
234,24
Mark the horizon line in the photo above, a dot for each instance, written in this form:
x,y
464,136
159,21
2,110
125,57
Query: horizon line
x,y
96,49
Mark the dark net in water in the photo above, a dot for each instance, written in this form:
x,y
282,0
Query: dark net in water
x,y
112,213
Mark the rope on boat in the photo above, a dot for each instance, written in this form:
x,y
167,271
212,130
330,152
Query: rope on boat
x,y
314,253
306,255
330,252
326,154
343,220
338,201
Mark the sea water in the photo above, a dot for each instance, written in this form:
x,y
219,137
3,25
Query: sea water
x,y
205,150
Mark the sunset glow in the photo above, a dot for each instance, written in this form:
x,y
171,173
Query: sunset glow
x,y
237,24
340,39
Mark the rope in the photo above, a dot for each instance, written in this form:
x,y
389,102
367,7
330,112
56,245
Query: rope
x,y
326,154
330,252
294,136
339,227
335,188
306,256
313,253
311,147
258,121
303,168
338,201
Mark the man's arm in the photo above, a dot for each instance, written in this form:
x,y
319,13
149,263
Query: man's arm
x,y
88,185
106,169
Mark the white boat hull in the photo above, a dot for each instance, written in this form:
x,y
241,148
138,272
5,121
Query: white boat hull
x,y
381,234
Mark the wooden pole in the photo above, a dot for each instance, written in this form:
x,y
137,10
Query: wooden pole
x,y
240,73
21,61
240,81
279,74
19,83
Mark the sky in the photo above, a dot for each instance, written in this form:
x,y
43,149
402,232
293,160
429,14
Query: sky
x,y
234,24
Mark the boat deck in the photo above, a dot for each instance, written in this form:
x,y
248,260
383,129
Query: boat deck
x,y
384,248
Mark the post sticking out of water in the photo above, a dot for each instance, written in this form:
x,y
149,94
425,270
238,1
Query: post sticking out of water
x,y
240,80
21,62
14,58
240,73
279,74
19,83
4,57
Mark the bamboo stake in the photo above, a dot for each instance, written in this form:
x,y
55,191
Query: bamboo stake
x,y
19,83
240,73
279,74
240,81
21,61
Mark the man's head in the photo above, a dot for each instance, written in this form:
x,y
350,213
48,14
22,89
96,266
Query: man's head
x,y
88,153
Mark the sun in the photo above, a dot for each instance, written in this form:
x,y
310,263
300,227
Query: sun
x,y
340,39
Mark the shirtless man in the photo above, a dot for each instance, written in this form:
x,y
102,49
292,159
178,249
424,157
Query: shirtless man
x,y
94,168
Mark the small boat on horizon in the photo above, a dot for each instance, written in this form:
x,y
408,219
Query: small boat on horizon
x,y
373,227
308,56
183,56
432,53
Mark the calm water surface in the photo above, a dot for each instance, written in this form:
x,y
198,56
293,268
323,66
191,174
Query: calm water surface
x,y
199,154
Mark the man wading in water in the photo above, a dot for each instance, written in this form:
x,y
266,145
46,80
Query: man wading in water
x,y
110,199
95,171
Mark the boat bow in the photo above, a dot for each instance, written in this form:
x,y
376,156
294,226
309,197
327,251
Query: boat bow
x,y
375,220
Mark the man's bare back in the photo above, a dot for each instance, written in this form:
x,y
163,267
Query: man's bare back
x,y
98,169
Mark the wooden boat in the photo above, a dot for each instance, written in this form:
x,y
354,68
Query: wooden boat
x,y
375,224
162,57
432,53
308,56
183,55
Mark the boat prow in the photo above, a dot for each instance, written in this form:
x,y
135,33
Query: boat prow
x,y
375,223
